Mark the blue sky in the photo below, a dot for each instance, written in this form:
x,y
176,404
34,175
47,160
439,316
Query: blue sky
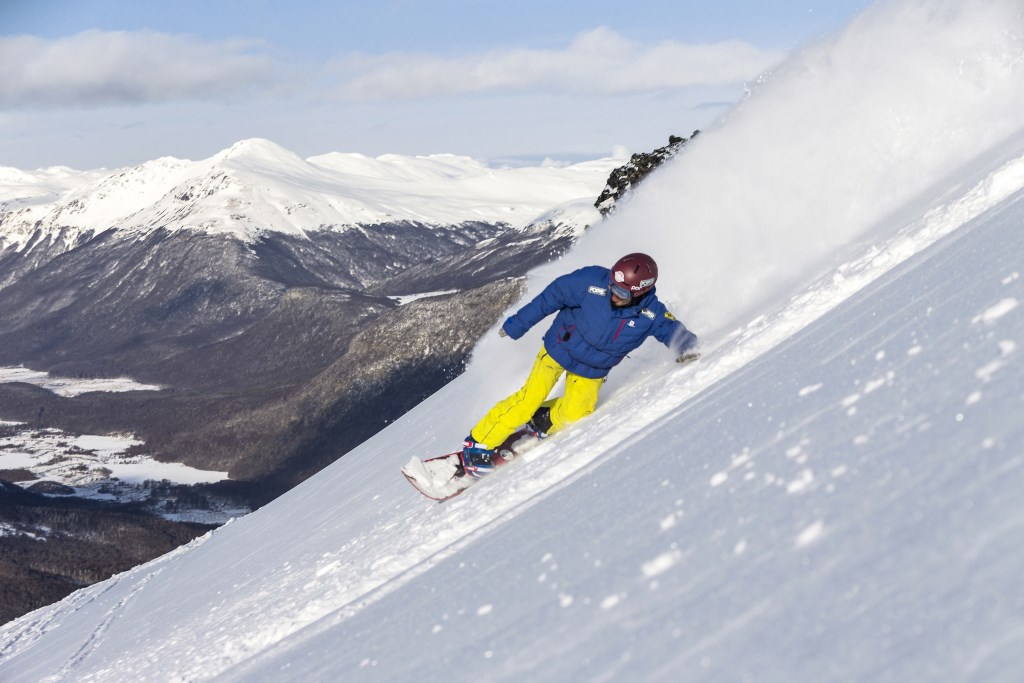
x,y
92,83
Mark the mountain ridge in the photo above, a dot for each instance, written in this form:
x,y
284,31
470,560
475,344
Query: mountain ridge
x,y
256,186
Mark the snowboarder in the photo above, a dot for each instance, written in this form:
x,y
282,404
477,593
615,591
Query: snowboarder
x,y
602,315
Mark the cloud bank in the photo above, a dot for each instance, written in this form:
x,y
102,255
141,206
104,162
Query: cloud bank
x,y
99,68
597,62
96,68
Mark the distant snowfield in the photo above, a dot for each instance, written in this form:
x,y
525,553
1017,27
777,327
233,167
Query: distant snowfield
x,y
97,466
66,386
409,298
86,460
109,452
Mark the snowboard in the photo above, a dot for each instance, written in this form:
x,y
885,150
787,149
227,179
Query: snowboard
x,y
443,477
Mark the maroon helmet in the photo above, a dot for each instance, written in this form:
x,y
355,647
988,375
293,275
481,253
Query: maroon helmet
x,y
632,276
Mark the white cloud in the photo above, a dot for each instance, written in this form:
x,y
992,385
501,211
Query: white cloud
x,y
9,121
597,62
116,67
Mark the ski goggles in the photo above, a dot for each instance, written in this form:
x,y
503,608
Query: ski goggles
x,y
619,291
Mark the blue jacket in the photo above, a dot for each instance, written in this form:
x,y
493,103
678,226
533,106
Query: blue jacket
x,y
589,336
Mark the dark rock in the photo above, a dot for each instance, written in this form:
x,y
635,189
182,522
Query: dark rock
x,y
625,177
16,475
51,488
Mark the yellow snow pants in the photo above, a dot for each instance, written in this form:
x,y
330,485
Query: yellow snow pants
x,y
516,410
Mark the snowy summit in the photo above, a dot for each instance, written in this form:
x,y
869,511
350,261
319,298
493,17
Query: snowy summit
x,y
257,186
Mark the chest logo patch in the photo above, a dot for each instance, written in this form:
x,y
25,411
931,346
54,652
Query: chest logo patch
x,y
600,291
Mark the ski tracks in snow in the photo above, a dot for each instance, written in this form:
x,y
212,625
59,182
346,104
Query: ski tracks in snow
x,y
36,629
95,639
21,635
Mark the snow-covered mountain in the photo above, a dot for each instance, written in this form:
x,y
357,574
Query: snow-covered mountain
x,y
831,494
256,186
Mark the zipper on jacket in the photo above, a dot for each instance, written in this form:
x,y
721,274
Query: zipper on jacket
x,y
622,323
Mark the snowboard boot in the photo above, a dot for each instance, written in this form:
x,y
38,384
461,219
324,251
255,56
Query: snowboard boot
x,y
476,458
540,424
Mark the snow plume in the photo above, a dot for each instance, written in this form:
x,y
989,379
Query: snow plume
x,y
822,152
814,163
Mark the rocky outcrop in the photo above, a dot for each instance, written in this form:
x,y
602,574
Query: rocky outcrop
x,y
625,177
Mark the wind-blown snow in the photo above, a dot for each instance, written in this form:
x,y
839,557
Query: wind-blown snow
x,y
842,149
830,151
831,494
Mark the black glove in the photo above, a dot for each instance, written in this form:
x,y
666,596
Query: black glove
x,y
688,357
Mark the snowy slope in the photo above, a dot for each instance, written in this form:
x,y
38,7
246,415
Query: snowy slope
x,y
256,185
843,507
832,493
